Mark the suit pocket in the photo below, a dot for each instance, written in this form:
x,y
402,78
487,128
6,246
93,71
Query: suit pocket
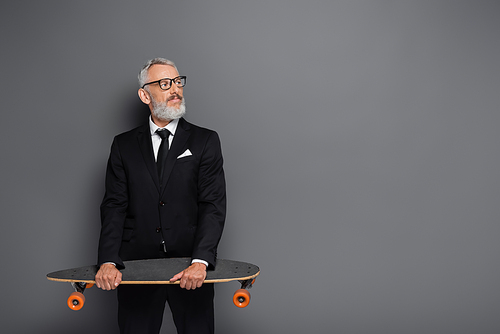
x,y
185,159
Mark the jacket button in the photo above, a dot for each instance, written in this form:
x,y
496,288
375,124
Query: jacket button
x,y
158,229
162,203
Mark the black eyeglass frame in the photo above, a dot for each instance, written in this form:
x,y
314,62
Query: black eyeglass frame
x,y
182,77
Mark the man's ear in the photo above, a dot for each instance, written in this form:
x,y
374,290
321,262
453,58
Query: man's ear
x,y
144,96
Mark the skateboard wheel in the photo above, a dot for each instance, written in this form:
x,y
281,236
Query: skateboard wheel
x,y
241,298
89,285
76,301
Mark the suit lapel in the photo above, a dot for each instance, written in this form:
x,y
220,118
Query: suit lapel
x,y
146,147
181,136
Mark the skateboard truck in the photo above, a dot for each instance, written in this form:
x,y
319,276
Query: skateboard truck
x,y
76,300
241,297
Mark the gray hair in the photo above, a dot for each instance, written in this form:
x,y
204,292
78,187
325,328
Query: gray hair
x,y
143,74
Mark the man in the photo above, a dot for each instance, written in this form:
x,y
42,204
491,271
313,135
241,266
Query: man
x,y
165,197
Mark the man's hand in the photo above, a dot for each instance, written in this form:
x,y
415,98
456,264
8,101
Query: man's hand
x,y
192,277
108,277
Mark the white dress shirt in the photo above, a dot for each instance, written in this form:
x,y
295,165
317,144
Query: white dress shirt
x,y
156,139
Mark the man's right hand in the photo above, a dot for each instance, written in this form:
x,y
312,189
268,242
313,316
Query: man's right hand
x,y
108,277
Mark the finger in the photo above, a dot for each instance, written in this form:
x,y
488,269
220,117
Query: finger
x,y
189,282
183,283
112,281
99,280
198,282
177,277
103,283
118,279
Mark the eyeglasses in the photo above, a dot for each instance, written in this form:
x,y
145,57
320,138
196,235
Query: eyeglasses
x,y
166,83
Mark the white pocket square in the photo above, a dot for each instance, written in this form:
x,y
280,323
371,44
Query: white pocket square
x,y
186,153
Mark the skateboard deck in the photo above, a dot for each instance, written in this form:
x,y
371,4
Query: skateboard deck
x,y
159,271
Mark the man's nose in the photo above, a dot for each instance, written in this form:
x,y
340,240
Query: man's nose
x,y
174,89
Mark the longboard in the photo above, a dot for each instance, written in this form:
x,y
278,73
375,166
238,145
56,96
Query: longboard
x,y
159,271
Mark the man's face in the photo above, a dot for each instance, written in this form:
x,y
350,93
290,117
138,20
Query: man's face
x,y
165,105
174,95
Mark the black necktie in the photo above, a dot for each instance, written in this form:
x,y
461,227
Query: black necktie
x,y
162,152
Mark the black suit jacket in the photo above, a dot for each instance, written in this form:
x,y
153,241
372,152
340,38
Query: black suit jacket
x,y
188,211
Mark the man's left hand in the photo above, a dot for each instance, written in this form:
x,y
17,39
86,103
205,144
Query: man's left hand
x,y
192,277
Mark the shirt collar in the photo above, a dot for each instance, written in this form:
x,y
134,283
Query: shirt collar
x,y
172,126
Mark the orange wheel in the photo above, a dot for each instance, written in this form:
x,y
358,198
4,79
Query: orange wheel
x,y
76,301
89,285
241,298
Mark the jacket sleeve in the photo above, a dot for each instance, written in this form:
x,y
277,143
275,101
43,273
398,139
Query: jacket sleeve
x,y
211,202
113,209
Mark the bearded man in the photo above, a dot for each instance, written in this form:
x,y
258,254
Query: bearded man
x,y
165,197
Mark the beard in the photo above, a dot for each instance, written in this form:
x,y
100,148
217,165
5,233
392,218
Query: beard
x,y
166,113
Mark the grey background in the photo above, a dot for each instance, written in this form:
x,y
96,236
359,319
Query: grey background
x,y
361,150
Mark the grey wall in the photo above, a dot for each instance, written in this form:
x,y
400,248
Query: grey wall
x,y
361,149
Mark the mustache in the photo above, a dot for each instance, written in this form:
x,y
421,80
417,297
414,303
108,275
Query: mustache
x,y
174,96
